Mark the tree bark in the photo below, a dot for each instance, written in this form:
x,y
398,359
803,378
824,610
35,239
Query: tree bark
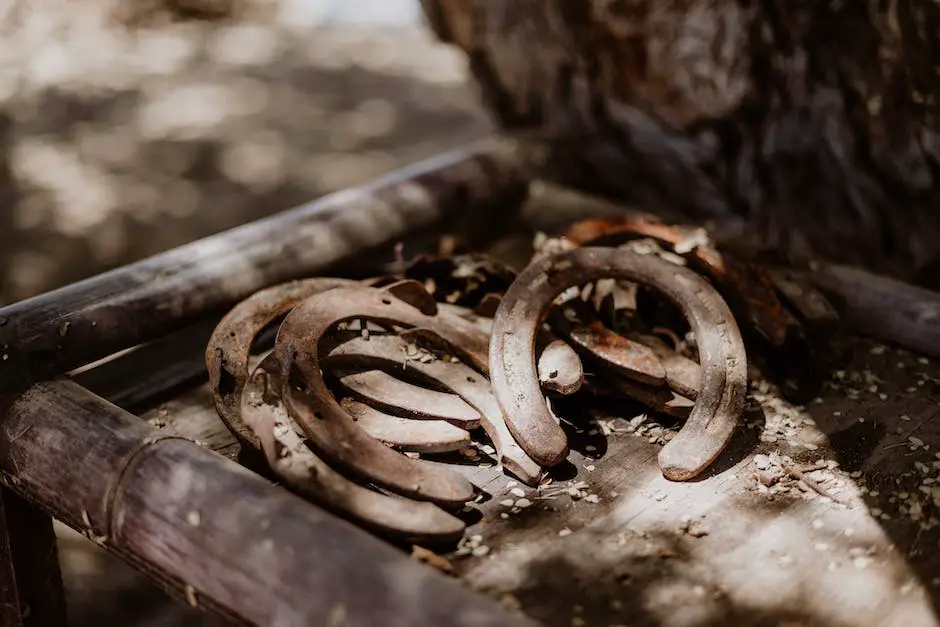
x,y
808,125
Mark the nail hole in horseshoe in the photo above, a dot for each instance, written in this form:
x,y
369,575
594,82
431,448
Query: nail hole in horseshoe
x,y
227,383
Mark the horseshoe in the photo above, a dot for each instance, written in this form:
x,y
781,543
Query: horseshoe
x,y
525,305
380,352
332,432
753,294
560,369
682,378
683,375
659,399
751,291
263,412
406,435
625,355
230,345
392,395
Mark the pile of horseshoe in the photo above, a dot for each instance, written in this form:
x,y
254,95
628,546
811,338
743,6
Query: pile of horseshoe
x,y
372,386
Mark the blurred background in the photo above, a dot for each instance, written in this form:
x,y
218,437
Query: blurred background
x,y
131,126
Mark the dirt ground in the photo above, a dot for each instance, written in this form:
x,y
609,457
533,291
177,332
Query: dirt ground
x,y
117,142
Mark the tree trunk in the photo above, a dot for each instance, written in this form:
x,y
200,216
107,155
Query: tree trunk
x,y
811,124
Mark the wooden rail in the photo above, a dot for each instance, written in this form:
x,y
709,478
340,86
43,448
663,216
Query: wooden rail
x,y
166,505
211,532
884,308
50,334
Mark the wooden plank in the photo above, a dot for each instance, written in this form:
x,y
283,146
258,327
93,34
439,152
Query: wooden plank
x,y
12,605
768,558
724,549
884,308
80,323
151,372
167,507
31,593
769,555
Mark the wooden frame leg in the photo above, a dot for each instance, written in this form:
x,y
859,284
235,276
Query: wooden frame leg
x,y
31,592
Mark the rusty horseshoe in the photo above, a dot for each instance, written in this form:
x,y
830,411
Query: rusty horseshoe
x,y
625,355
756,298
262,411
331,431
405,434
380,351
389,394
230,345
526,304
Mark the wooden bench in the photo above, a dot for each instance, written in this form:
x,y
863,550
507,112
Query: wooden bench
x,y
108,426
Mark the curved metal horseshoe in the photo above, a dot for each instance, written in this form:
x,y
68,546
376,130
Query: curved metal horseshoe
x,y
331,431
752,291
560,369
380,352
789,349
405,434
683,375
388,393
263,412
230,345
524,307
625,355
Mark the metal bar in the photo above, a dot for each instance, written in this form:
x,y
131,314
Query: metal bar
x,y
55,332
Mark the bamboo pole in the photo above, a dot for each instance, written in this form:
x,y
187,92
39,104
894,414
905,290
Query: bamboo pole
x,y
210,531
884,308
31,593
55,332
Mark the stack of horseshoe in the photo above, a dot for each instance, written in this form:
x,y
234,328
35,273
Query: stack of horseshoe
x,y
370,382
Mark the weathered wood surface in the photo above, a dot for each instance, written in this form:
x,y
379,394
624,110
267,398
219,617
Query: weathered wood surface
x,y
638,556
884,307
632,558
80,323
31,593
214,534
722,550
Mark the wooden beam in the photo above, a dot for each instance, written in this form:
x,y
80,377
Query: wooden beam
x,y
55,332
884,308
150,372
31,593
211,532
